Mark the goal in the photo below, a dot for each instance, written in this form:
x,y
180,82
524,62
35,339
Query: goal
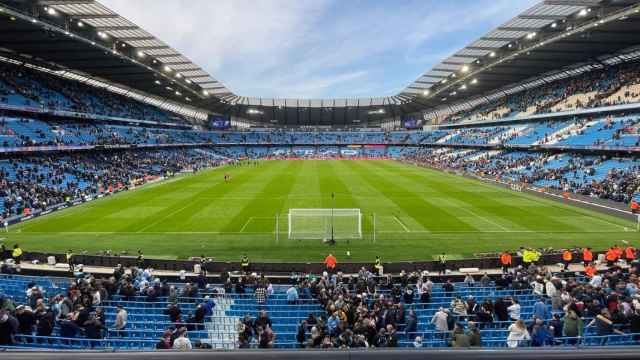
x,y
325,224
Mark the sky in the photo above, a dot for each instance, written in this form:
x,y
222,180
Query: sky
x,y
318,48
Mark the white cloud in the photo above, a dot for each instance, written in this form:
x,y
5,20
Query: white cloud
x,y
316,48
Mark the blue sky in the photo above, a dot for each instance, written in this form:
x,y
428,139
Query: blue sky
x,y
318,48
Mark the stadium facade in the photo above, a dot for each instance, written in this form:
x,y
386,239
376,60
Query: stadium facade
x,y
547,104
551,40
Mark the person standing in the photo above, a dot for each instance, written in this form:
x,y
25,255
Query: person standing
x,y
330,262
442,261
244,263
629,254
567,257
182,342
377,267
16,254
587,256
505,261
69,256
121,321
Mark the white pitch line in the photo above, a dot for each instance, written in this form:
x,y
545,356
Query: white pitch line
x,y
245,224
164,217
267,233
504,229
406,229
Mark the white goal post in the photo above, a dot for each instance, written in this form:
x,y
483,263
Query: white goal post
x,y
325,224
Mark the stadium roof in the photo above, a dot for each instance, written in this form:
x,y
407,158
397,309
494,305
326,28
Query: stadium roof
x,y
86,36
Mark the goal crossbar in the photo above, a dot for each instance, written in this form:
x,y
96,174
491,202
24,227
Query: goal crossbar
x,y
323,223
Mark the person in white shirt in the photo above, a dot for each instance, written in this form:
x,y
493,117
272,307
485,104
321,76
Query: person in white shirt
x,y
439,320
518,334
596,281
514,310
121,321
182,342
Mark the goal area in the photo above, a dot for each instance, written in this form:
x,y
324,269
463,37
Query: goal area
x,y
325,224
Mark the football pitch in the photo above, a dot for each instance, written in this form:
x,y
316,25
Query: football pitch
x,y
417,213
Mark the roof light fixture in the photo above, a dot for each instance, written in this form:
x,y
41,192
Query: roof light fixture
x,y
51,11
80,24
583,12
474,81
464,68
426,92
492,54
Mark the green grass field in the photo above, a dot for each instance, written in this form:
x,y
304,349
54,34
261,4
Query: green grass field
x,y
419,213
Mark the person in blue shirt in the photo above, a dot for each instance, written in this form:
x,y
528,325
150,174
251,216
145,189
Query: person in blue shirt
x,y
540,310
208,306
292,295
332,323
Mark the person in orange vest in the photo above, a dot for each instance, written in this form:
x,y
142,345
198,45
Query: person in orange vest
x,y
587,256
634,207
330,262
630,253
589,270
618,251
567,256
611,257
505,260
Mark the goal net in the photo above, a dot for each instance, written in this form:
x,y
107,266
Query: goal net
x,y
325,224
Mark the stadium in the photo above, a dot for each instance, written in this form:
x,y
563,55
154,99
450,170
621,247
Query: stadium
x,y
491,207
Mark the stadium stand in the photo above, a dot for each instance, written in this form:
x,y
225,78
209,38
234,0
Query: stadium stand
x,y
63,142
326,311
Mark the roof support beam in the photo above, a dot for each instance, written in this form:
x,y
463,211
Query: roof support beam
x,y
498,38
65,2
176,63
541,17
135,38
572,2
115,28
151,47
94,16
482,48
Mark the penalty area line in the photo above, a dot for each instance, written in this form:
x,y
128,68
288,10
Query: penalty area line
x,y
245,224
406,229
